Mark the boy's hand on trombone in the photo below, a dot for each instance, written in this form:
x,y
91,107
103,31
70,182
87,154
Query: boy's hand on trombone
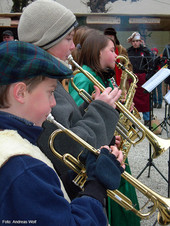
x,y
109,96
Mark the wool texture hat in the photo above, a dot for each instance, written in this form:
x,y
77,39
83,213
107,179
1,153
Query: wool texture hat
x,y
20,60
112,31
134,36
7,33
45,23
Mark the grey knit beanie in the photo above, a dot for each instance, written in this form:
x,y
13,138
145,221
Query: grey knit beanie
x,y
44,23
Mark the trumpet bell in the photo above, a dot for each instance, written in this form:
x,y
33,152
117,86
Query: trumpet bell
x,y
163,217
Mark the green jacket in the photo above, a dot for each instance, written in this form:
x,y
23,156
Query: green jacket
x,y
82,82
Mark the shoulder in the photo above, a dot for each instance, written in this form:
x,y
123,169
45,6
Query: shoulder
x,y
121,49
130,49
147,50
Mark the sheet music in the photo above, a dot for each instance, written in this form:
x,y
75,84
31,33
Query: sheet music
x,y
167,97
156,79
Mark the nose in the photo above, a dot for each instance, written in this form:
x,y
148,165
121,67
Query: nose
x,y
53,102
72,46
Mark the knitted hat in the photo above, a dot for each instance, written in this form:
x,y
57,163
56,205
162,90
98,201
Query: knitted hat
x,y
112,31
45,23
20,60
134,36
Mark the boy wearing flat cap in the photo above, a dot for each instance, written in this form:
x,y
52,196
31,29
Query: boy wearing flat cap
x,y
7,36
30,188
50,26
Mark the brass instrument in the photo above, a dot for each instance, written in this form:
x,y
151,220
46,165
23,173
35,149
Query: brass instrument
x,y
159,202
124,74
124,132
159,145
131,133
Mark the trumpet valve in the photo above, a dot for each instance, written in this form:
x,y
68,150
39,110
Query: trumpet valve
x,y
81,178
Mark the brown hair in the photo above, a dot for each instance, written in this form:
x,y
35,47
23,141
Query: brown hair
x,y
90,51
80,36
4,89
79,32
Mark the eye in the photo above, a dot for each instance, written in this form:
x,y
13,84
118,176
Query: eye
x,y
51,92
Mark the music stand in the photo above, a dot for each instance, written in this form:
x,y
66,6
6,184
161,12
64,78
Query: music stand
x,y
151,84
165,123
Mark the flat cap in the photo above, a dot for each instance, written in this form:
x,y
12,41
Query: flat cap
x,y
21,60
8,33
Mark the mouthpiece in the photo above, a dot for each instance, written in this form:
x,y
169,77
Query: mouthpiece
x,y
50,118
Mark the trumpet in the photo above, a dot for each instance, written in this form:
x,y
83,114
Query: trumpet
x,y
159,145
159,202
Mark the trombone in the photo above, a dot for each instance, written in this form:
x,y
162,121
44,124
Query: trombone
x,y
159,202
160,145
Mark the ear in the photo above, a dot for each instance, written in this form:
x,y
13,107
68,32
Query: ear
x,y
19,92
100,54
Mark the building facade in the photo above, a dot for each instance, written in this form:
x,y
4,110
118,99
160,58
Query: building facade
x,y
151,18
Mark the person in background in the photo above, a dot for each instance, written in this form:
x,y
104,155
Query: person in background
x,y
31,189
142,62
119,50
166,60
7,36
95,124
157,92
97,56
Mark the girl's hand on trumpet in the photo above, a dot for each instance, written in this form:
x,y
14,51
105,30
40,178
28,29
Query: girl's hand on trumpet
x,y
117,141
109,96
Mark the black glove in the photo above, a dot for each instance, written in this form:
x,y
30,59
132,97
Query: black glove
x,y
104,172
104,168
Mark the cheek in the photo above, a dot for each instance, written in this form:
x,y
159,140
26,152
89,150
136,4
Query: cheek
x,y
111,57
41,101
64,51
39,108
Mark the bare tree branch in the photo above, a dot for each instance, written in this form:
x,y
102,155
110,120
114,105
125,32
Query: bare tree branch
x,y
18,5
99,6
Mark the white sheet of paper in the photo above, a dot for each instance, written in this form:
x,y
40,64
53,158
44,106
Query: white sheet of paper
x,y
156,79
167,97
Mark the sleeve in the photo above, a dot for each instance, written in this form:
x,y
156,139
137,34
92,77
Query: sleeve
x,y
96,126
35,195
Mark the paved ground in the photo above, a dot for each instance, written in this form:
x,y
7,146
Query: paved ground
x,y
138,159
